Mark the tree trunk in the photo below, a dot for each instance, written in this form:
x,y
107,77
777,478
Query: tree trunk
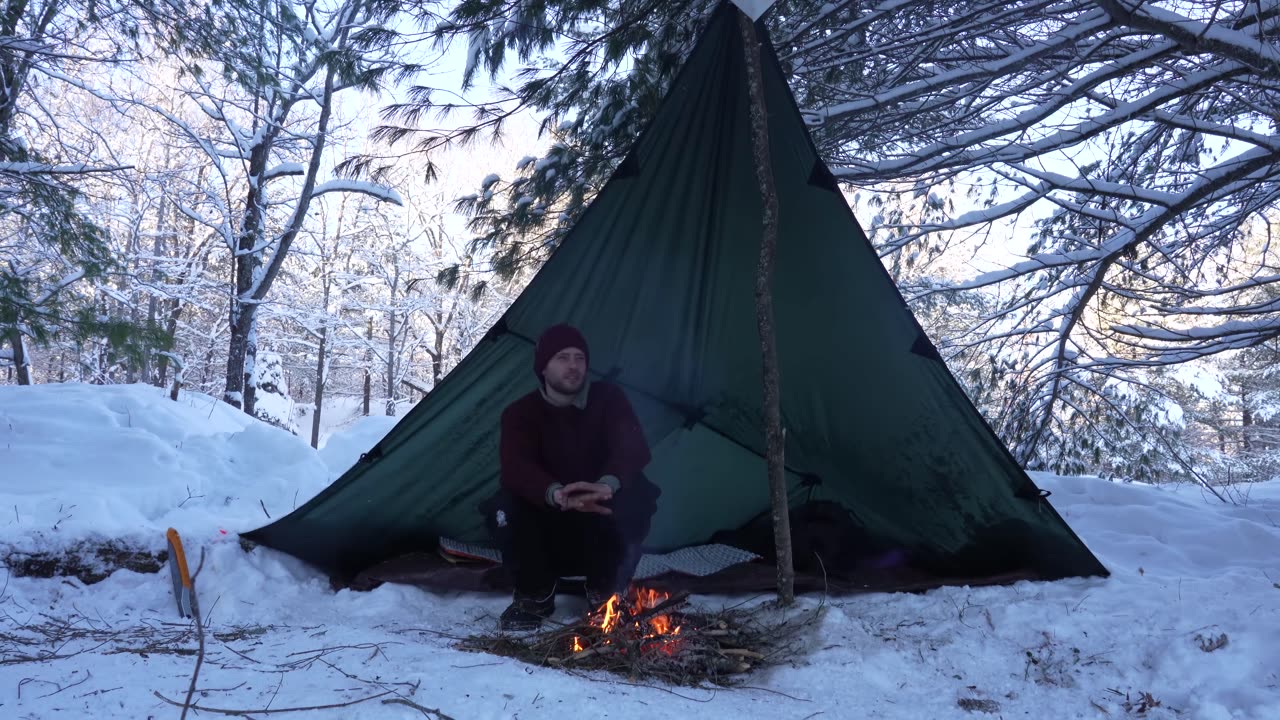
x,y
178,365
775,440
21,363
368,390
241,354
391,361
368,367
320,379
243,348
171,330
1246,419
153,303
437,357
208,362
175,308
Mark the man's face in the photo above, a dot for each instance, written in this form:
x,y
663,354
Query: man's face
x,y
566,371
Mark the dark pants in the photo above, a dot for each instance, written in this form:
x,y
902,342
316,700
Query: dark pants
x,y
541,544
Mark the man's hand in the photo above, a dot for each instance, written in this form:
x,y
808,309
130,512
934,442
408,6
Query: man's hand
x,y
585,497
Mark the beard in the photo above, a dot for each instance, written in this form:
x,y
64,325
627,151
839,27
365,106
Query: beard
x,y
565,386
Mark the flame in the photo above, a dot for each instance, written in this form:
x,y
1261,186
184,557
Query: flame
x,y
649,599
661,624
577,644
609,615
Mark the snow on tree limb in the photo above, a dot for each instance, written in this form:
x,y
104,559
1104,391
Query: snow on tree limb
x,y
283,170
1200,37
34,168
385,194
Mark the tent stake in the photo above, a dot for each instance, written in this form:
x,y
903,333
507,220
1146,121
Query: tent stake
x,y
775,440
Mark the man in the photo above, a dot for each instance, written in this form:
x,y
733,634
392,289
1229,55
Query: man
x,y
574,500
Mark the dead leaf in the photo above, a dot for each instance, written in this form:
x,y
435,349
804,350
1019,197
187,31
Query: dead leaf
x,y
1210,643
978,705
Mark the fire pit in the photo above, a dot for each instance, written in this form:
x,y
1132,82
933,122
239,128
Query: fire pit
x,y
650,634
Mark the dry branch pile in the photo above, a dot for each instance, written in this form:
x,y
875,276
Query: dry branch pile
x,y
662,640
46,637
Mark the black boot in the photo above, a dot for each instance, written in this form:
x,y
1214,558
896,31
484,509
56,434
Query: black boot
x,y
527,612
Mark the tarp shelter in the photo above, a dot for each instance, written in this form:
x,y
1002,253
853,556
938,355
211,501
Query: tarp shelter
x,y
659,274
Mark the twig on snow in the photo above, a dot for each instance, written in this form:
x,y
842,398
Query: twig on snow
x,y
424,710
309,708
99,692
60,686
195,614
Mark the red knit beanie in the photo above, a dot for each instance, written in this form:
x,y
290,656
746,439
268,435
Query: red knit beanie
x,y
553,340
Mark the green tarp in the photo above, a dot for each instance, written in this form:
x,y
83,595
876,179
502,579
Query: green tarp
x,y
659,274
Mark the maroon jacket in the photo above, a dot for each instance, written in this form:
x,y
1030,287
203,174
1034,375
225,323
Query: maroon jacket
x,y
543,444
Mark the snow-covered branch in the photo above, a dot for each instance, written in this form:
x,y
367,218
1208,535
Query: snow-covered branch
x,y
373,190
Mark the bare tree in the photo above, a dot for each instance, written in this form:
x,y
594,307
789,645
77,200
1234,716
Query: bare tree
x,y
273,121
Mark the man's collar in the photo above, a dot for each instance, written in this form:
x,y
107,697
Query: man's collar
x,y
579,401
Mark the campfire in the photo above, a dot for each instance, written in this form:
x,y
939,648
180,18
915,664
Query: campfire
x,y
637,624
651,634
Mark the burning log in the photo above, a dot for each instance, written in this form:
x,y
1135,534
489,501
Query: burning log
x,y
653,635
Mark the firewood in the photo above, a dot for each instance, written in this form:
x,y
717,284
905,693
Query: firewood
x,y
741,652
589,652
663,607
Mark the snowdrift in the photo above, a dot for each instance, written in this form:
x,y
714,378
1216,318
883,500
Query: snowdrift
x,y
1187,626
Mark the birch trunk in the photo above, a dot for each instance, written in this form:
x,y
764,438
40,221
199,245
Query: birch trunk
x,y
20,361
775,440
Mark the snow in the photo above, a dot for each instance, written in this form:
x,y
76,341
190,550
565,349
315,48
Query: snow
x,y
475,50
272,402
288,168
1219,32
380,192
34,168
343,449
69,279
85,462
1083,25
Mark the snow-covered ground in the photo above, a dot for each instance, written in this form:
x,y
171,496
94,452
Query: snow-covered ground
x,y
90,463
